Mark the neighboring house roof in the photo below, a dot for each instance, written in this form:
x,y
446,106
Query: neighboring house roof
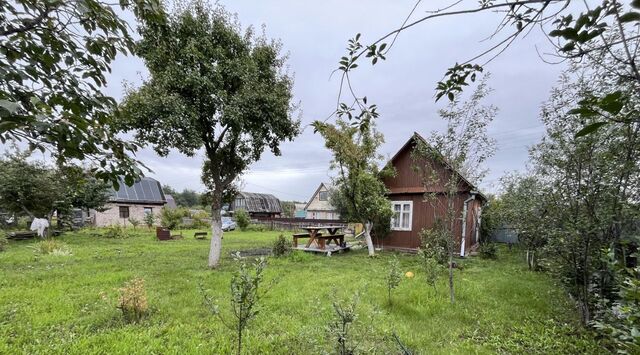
x,y
327,207
417,137
144,191
257,202
171,202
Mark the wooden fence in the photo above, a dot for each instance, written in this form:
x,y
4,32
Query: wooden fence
x,y
293,224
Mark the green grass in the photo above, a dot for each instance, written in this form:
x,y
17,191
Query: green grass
x,y
56,304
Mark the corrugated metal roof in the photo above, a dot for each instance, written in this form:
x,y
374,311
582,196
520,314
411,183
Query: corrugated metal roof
x,y
256,202
146,190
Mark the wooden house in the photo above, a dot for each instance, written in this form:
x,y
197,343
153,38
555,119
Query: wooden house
x,y
414,212
257,204
319,206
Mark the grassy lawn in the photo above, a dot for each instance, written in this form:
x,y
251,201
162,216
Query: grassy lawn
x,y
66,304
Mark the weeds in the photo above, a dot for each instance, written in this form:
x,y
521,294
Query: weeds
x,y
52,247
133,300
281,246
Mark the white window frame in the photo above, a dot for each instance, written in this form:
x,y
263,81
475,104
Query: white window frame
x,y
402,203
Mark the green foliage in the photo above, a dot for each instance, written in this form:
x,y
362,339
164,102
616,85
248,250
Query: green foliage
x,y
359,195
488,250
393,277
134,222
171,217
340,327
431,268
115,232
38,190
149,220
434,243
233,107
132,301
246,292
242,219
186,198
53,78
281,246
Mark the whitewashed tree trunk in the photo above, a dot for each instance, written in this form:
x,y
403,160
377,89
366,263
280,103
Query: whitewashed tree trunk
x,y
215,250
368,226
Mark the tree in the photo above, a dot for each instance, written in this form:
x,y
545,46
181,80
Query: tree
x,y
242,219
149,219
288,208
54,57
359,194
38,190
214,88
525,199
599,32
461,149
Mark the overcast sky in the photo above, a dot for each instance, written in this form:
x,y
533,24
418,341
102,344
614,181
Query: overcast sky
x,y
315,35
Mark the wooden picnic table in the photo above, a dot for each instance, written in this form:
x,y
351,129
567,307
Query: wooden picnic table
x,y
321,239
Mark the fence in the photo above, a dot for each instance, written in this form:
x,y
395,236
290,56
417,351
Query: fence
x,y
292,224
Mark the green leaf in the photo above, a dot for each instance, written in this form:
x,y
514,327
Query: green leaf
x,y
590,129
635,4
630,17
10,106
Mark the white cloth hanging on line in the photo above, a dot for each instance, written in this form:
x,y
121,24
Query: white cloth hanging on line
x,y
39,224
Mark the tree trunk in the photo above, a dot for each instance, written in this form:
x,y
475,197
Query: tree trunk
x,y
367,237
451,290
215,250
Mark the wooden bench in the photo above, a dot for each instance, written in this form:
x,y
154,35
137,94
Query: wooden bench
x,y
200,235
302,235
338,239
19,235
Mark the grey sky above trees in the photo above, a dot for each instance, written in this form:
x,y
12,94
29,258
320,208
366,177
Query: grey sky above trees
x,y
316,33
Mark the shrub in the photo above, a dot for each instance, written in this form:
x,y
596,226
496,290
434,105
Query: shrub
x,y
394,276
171,217
53,247
434,242
256,228
431,269
345,314
488,251
132,301
246,292
134,222
23,223
242,219
281,246
149,220
115,232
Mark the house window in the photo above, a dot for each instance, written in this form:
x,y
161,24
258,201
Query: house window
x,y
323,195
148,210
124,211
402,215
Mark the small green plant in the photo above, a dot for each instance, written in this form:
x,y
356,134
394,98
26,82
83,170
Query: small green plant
x,y
132,301
246,292
23,222
488,251
134,222
281,246
435,242
242,219
394,276
149,220
345,315
115,232
431,269
52,247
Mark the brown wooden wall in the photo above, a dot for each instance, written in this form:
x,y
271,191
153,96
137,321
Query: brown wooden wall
x,y
407,185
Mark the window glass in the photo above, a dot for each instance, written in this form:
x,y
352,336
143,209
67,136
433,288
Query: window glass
x,y
148,210
402,215
124,211
323,195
